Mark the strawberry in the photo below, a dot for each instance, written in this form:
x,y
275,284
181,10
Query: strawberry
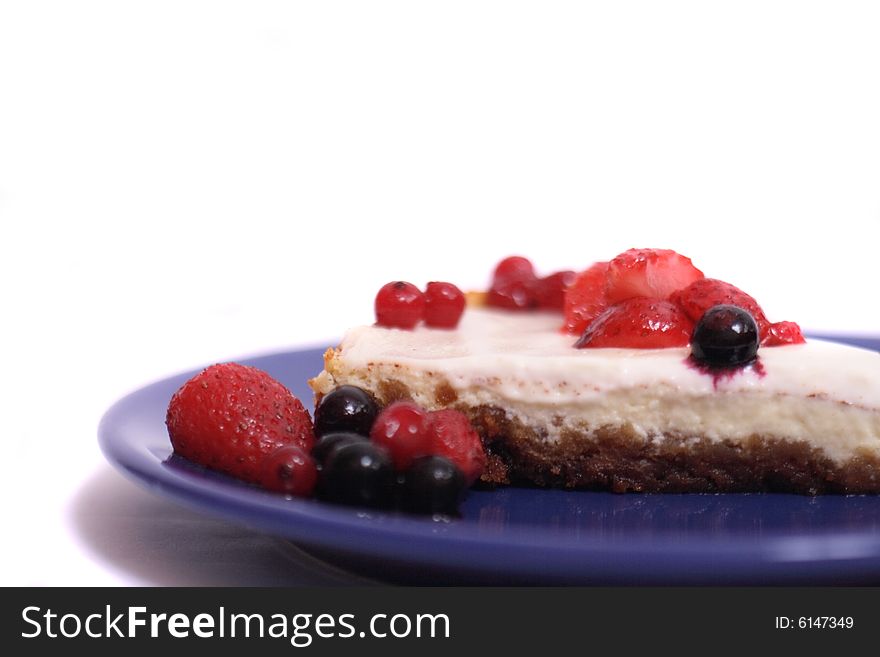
x,y
451,435
654,273
702,294
585,298
230,417
783,333
639,323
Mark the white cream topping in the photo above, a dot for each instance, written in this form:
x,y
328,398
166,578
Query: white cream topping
x,y
822,392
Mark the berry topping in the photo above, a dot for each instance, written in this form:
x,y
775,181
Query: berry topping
x,y
514,268
585,298
452,436
402,429
399,305
330,441
725,336
444,305
347,408
549,292
782,333
358,474
289,470
654,273
434,485
515,286
705,293
639,323
230,417
512,285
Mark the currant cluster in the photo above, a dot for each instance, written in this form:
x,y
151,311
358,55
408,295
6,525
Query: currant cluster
x,y
402,305
516,286
401,455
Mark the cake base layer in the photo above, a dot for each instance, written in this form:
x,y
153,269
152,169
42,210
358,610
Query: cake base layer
x,y
801,418
619,460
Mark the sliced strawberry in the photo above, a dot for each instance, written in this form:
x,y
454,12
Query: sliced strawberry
x,y
702,294
654,273
783,333
639,323
585,298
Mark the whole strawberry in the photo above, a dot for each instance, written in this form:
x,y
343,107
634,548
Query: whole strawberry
x,y
230,417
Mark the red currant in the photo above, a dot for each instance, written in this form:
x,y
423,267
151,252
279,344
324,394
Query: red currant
x,y
444,305
550,291
400,305
514,295
451,435
512,284
402,429
513,268
289,470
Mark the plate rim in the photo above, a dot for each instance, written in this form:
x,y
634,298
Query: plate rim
x,y
510,552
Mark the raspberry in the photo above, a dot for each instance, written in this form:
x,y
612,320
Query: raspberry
x,y
399,305
451,435
402,429
444,305
289,470
639,323
229,417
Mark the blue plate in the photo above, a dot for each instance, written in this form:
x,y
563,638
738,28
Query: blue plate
x,y
521,535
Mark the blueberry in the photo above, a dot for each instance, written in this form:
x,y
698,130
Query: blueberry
x,y
359,474
433,485
348,408
725,336
328,442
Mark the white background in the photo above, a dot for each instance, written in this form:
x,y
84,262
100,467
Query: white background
x,y
187,182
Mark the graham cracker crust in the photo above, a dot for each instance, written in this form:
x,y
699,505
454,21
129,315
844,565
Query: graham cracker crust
x,y
619,460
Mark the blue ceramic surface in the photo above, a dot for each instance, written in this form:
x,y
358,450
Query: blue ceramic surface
x,y
519,535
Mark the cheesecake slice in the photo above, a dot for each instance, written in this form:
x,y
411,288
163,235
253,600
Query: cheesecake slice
x,y
801,418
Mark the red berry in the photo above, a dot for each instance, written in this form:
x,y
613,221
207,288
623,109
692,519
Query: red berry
x,y
783,333
639,323
653,273
444,305
513,285
513,268
289,470
702,294
452,436
585,298
230,416
549,291
513,295
399,305
402,429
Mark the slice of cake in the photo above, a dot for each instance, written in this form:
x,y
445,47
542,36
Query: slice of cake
x,y
656,379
